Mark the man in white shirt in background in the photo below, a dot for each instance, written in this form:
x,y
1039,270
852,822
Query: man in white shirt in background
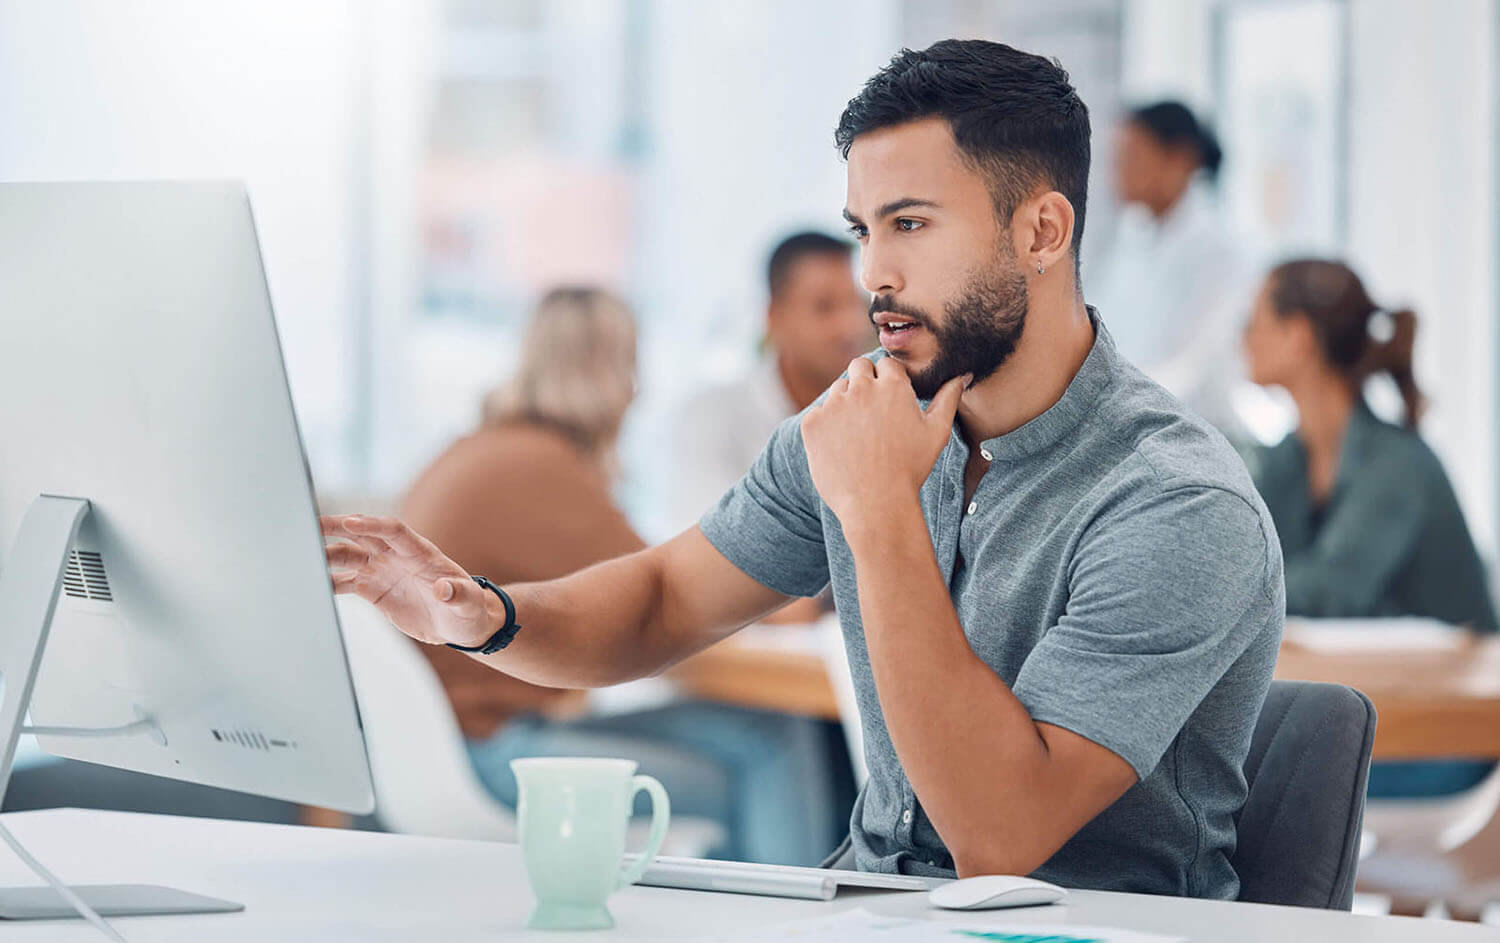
x,y
817,320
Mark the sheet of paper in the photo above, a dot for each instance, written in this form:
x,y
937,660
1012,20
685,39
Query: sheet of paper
x,y
1335,636
860,924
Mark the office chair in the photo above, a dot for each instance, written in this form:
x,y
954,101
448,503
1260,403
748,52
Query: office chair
x,y
1298,831
1309,761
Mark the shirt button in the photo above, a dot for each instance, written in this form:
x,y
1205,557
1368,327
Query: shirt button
x,y
985,454
906,817
973,506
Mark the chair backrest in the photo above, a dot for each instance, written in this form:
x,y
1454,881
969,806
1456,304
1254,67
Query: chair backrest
x,y
1309,761
836,664
424,781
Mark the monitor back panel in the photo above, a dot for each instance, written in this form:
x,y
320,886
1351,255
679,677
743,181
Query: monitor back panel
x,y
140,368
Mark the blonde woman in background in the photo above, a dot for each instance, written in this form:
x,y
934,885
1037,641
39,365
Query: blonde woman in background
x,y
526,497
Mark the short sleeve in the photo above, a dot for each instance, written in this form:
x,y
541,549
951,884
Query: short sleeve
x,y
1164,595
770,523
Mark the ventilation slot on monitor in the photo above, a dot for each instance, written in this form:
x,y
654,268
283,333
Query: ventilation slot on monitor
x,y
85,578
250,739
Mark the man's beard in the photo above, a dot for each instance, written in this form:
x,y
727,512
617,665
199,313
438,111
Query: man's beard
x,y
979,330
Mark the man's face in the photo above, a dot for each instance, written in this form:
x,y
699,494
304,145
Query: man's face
x,y
817,321
949,296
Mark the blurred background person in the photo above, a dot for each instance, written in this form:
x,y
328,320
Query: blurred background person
x,y
1172,286
817,320
1369,524
526,497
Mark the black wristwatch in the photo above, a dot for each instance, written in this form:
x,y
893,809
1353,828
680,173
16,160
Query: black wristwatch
x,y
505,634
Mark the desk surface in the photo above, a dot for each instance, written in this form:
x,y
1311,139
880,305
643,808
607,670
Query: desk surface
x,y
333,886
1439,703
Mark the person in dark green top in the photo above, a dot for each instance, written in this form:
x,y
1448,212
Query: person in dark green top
x,y
1368,521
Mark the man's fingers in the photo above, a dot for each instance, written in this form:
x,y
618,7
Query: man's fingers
x,y
402,539
861,369
374,546
343,582
340,527
944,405
889,368
346,556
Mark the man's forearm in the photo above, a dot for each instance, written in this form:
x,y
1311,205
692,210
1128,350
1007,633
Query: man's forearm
x,y
589,629
629,617
973,754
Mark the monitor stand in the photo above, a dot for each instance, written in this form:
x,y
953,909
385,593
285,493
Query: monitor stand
x,y
29,587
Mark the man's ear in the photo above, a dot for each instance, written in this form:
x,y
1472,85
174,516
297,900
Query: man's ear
x,y
1049,218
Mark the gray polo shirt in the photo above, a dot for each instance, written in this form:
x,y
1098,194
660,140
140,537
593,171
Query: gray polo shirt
x,y
1116,568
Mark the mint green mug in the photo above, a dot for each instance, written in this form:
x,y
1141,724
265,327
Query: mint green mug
x,y
572,814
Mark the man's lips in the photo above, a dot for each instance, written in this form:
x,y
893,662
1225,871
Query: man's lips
x,y
898,335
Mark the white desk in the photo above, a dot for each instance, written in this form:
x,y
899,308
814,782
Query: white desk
x,y
334,886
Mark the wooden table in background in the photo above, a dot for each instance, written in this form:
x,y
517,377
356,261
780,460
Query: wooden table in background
x,y
1441,703
745,673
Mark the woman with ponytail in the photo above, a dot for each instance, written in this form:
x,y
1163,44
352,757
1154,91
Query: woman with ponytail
x,y
1368,521
1171,285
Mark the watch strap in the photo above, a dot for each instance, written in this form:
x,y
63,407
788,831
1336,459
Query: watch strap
x,y
505,634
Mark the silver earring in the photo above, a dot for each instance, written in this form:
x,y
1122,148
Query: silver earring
x,y
1039,269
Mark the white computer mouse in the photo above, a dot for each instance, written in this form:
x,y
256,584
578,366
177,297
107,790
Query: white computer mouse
x,y
988,891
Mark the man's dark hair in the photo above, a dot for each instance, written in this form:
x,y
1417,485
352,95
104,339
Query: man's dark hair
x,y
796,247
1015,117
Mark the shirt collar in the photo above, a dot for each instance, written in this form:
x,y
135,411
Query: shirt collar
x,y
1078,400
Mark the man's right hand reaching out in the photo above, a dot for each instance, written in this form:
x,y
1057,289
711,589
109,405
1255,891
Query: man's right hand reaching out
x,y
616,621
413,584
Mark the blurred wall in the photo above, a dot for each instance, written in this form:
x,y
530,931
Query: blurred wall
x,y
323,109
264,92
1422,213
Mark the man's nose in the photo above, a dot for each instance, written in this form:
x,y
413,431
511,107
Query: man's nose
x,y
877,274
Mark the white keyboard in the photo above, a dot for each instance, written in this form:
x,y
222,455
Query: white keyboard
x,y
771,880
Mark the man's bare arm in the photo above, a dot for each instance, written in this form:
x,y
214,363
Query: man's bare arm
x,y
616,621
1004,791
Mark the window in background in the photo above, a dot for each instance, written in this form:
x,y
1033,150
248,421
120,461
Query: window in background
x,y
1282,114
524,180
1282,111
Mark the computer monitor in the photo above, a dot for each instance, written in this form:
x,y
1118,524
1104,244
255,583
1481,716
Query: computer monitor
x,y
159,540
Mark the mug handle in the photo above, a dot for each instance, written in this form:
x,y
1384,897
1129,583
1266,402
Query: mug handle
x,y
661,812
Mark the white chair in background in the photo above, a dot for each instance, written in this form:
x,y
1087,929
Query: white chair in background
x,y
424,783
836,663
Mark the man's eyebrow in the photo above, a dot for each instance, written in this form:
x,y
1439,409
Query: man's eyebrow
x,y
895,206
905,203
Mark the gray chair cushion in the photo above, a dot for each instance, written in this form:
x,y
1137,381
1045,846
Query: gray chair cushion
x,y
842,858
1298,832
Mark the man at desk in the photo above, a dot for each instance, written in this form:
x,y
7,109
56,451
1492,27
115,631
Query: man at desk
x,y
1060,593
